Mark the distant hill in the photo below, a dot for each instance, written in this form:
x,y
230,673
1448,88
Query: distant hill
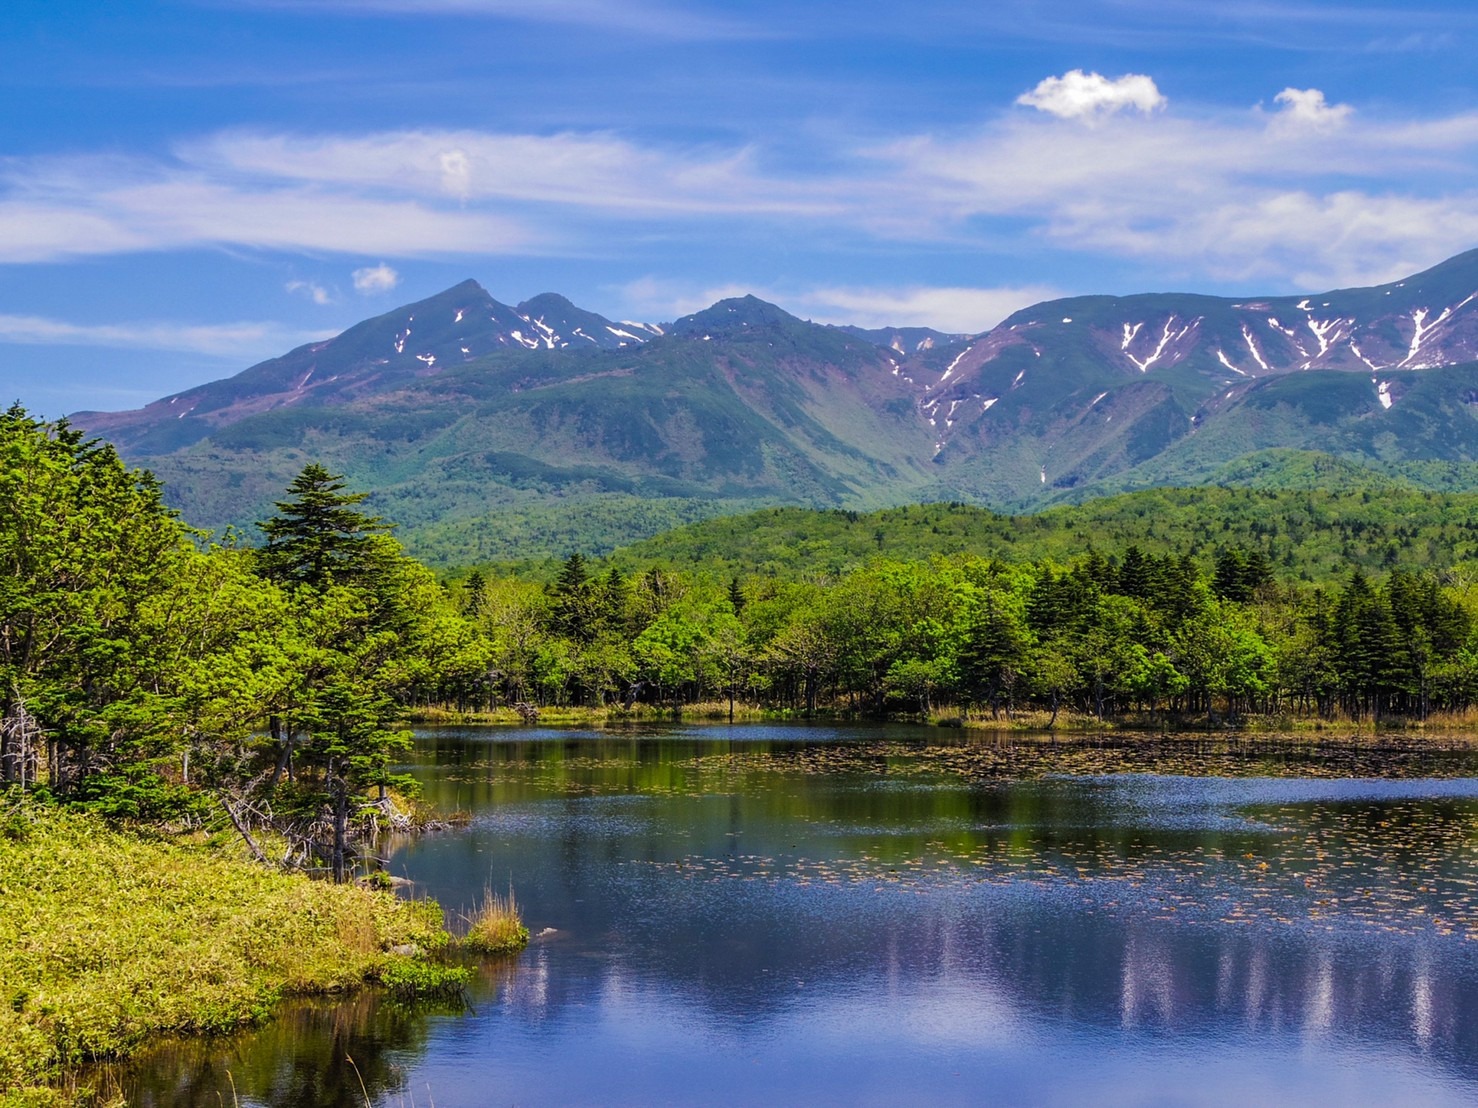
x,y
494,431
1313,534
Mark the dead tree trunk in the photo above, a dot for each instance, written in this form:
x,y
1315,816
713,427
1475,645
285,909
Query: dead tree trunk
x,y
19,739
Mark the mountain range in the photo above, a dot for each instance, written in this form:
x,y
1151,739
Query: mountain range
x,y
494,431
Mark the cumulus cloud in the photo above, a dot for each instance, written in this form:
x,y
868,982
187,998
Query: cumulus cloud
x,y
375,279
1308,108
312,290
1076,95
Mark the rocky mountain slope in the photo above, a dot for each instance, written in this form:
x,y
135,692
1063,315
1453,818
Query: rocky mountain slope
x,y
479,424
1084,390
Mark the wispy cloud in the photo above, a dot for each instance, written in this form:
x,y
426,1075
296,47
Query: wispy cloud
x,y
70,207
397,194
216,340
1306,192
591,170
651,19
312,290
951,309
1230,196
1315,27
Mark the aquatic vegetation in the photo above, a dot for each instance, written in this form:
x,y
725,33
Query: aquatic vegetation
x,y
496,926
408,977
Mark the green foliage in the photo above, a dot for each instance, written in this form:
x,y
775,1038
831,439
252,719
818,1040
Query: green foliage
x,y
1150,628
496,927
89,558
139,672
317,536
1313,535
106,938
409,978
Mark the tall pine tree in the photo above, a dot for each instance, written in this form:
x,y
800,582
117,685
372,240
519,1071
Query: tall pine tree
x,y
318,536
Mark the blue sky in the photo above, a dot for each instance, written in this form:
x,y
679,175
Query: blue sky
x,y
188,187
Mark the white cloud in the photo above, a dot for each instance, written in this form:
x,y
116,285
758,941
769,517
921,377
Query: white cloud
x,y
216,339
1076,95
456,173
956,310
1413,42
1228,197
597,171
312,290
657,20
1308,194
658,300
374,279
1307,108
167,211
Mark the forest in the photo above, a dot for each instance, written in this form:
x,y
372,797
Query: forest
x,y
152,672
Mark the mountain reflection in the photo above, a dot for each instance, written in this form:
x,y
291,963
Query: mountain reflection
x,y
879,916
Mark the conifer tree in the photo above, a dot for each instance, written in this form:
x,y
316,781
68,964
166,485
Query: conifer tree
x,y
318,536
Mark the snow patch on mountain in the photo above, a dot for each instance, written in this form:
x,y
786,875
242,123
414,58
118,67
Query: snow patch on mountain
x,y
952,365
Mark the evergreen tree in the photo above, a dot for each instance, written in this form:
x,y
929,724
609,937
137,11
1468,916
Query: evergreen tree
x,y
1134,574
86,547
573,609
318,537
472,590
994,650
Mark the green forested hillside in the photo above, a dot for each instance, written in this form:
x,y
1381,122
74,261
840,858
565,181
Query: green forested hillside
x,y
493,433
1306,534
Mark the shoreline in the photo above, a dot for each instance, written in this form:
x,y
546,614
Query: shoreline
x,y
112,939
1020,724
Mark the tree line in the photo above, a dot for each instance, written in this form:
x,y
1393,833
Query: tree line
x,y
1099,636
150,673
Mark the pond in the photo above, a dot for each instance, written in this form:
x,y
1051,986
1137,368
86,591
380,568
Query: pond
x,y
889,915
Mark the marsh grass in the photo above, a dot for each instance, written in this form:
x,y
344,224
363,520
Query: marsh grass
x,y
496,927
108,938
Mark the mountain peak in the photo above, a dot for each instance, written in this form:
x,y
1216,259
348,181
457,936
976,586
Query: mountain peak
x,y
545,301
736,313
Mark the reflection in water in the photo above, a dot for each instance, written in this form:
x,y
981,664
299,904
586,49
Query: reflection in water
x,y
828,916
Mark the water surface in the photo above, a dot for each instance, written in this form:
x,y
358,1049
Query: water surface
x,y
830,915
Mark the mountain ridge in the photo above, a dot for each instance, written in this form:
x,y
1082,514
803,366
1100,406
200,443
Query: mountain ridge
x,y
457,405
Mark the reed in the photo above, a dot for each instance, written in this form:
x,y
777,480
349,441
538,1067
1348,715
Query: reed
x,y
496,927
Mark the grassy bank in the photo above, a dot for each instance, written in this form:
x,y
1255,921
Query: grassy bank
x,y
107,938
